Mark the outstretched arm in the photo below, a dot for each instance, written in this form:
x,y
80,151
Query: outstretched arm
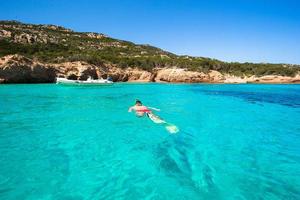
x,y
131,108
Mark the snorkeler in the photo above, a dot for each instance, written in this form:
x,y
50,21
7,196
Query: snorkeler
x,y
140,109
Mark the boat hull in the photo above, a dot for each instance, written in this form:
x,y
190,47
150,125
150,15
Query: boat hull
x,y
65,81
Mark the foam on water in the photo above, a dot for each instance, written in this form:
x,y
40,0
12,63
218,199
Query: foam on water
x,y
235,142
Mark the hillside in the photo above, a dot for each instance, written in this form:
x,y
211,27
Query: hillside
x,y
55,44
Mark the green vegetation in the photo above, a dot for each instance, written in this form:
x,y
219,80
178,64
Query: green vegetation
x,y
57,44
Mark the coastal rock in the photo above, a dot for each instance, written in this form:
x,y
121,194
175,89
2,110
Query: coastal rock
x,y
76,70
19,69
137,75
235,79
262,79
180,75
275,79
215,77
117,74
128,74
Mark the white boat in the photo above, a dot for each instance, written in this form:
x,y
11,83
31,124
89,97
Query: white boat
x,y
89,81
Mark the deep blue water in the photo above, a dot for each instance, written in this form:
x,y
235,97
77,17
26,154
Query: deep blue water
x,y
235,142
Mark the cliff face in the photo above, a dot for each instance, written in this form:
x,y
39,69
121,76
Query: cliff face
x,y
19,69
185,76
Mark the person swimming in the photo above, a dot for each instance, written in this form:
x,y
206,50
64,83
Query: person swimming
x,y
140,109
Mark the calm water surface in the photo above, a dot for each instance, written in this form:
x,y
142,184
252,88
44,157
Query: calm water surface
x,y
235,142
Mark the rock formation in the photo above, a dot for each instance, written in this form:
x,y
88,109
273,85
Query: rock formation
x,y
180,75
19,69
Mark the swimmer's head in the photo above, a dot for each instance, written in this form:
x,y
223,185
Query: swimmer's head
x,y
138,102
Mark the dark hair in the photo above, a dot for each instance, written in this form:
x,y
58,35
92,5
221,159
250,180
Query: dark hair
x,y
138,102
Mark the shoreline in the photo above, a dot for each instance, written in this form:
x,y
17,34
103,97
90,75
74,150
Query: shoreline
x,y
163,83
20,69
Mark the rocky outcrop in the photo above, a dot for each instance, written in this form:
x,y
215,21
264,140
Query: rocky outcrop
x,y
262,79
19,69
5,34
235,79
128,74
216,77
26,38
75,70
180,75
137,75
96,35
185,76
275,79
117,74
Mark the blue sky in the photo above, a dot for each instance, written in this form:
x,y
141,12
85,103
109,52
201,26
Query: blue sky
x,y
229,30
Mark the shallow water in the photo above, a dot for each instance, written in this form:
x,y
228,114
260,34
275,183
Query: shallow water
x,y
235,142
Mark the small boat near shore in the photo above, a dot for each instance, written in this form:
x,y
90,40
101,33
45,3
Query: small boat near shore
x,y
89,81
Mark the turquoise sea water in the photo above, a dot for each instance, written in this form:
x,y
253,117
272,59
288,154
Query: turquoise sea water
x,y
235,142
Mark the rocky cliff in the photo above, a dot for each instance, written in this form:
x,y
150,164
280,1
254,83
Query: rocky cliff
x,y
20,69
